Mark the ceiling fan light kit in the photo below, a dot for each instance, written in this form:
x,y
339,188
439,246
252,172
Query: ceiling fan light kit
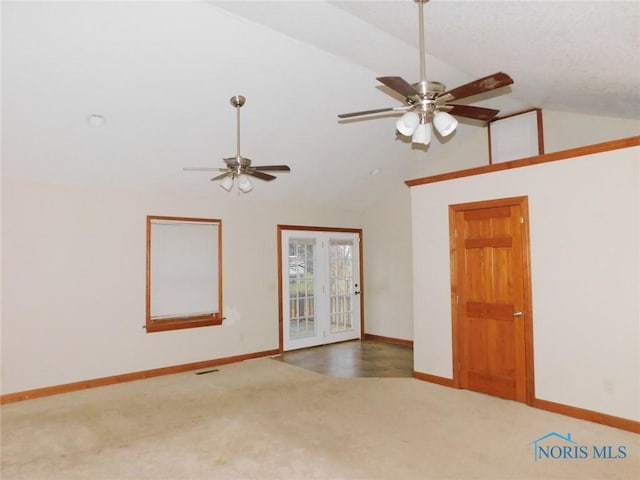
x,y
244,184
408,123
422,134
445,124
227,183
240,167
427,103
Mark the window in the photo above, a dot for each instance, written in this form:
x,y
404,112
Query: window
x,y
184,273
516,136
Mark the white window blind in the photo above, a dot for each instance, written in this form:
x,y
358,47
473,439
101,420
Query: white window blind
x,y
184,268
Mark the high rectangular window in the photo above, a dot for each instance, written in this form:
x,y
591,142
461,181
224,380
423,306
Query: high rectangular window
x,y
184,273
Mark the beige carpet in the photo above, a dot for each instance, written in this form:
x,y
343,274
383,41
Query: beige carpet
x,y
263,419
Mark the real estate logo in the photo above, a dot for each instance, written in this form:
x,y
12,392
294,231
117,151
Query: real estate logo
x,y
554,446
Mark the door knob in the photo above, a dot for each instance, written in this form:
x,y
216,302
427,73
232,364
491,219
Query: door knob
x,y
517,314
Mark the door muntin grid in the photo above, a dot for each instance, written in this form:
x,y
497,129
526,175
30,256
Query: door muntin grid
x,y
341,285
302,321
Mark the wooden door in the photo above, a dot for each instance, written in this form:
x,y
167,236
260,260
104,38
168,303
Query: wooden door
x,y
492,298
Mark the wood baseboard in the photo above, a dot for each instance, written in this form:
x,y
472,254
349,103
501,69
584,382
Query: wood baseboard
x,y
589,415
575,412
569,411
397,341
128,377
447,382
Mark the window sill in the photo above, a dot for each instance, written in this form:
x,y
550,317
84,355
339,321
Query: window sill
x,y
180,323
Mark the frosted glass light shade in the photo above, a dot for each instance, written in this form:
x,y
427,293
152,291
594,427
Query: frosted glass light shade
x,y
244,184
408,123
444,123
227,183
422,134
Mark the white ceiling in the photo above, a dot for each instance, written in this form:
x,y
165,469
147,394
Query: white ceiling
x,y
162,74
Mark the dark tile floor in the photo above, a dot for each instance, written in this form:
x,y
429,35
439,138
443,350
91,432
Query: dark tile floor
x,y
358,358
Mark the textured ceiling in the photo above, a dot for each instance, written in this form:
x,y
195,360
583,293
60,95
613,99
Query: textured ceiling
x,y
579,56
162,74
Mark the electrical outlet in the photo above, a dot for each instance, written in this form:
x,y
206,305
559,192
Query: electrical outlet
x,y
608,386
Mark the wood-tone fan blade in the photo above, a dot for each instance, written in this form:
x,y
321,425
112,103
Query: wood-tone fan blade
x,y
378,110
481,85
271,168
477,113
203,169
220,177
260,175
399,85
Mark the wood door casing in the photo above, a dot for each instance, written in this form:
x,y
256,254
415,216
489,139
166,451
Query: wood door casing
x,y
281,230
490,282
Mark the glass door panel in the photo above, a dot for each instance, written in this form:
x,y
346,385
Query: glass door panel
x,y
341,285
320,287
301,289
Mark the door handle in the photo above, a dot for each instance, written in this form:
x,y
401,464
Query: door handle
x,y
517,314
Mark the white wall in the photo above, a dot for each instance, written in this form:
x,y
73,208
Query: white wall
x,y
563,130
459,153
585,253
387,252
73,269
387,233
387,224
73,290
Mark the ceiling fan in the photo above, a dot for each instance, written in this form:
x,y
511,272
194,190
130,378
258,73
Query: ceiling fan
x,y
240,167
427,103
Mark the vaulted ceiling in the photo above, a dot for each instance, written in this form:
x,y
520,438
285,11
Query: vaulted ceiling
x,y
162,74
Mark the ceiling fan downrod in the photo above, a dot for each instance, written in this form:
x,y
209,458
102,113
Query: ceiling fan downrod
x,y
423,54
238,101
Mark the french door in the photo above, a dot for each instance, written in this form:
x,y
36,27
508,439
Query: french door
x,y
320,287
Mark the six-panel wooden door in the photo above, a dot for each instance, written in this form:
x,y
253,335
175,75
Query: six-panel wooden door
x,y
490,295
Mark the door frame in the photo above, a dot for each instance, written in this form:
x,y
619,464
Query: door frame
x,y
456,286
280,228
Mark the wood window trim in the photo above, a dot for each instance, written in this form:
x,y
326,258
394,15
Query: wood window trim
x,y
526,162
180,323
189,321
539,132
